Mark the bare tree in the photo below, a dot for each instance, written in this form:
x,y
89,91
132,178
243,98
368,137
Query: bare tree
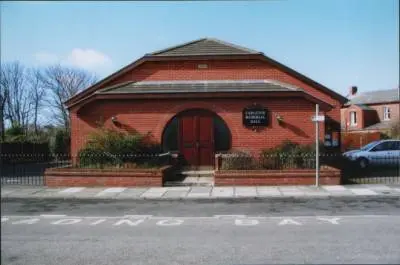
x,y
4,86
63,83
37,94
18,103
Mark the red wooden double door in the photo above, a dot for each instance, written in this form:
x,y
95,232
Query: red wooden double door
x,y
196,137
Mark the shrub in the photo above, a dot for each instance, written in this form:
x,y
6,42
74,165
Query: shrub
x,y
92,157
395,131
111,148
15,134
238,161
62,143
288,155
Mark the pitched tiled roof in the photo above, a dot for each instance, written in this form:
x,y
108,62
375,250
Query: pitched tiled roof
x,y
205,46
364,107
377,96
208,86
384,125
201,47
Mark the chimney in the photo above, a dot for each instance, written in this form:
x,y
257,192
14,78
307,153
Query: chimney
x,y
353,90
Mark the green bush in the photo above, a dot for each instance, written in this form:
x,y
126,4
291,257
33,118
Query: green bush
x,y
288,155
394,132
111,148
238,161
62,142
92,157
15,134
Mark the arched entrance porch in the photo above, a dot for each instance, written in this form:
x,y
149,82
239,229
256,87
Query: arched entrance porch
x,y
196,134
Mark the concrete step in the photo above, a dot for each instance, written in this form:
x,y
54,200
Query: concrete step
x,y
182,184
191,180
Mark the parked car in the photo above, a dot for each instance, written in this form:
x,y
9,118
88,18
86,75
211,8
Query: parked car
x,y
377,153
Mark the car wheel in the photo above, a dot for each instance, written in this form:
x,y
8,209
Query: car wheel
x,y
362,163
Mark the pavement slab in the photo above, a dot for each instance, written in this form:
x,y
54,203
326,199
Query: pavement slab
x,y
334,188
72,190
48,193
361,191
291,191
198,192
154,193
245,191
175,194
268,192
87,193
22,192
218,192
131,193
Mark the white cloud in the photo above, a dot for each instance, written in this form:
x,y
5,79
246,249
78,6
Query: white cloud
x,y
87,59
45,57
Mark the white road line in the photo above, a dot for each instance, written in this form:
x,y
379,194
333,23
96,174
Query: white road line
x,y
52,215
6,217
170,222
289,221
333,221
69,221
27,221
230,216
129,222
246,222
98,222
137,216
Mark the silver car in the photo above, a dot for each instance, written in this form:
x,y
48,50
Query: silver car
x,y
377,153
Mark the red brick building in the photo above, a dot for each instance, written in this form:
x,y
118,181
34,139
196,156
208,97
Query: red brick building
x,y
371,111
204,97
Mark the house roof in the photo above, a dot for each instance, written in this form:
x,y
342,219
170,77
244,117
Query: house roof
x,y
204,46
364,107
384,125
373,97
203,89
201,86
200,49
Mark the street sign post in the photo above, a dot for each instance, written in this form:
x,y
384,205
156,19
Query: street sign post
x,y
317,118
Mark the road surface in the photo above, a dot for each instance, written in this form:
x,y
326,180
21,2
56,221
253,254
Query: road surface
x,y
114,232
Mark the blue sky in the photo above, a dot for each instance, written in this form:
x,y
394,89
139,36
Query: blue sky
x,y
338,43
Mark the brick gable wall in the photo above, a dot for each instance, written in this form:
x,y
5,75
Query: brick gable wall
x,y
152,116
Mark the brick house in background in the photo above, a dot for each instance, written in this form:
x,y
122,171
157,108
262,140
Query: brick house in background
x,y
373,111
204,97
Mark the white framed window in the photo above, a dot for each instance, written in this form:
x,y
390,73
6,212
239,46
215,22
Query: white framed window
x,y
386,113
353,118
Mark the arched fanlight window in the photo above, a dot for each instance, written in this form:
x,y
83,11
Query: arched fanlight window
x,y
170,136
222,135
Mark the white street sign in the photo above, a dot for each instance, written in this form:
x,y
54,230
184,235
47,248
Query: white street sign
x,y
318,118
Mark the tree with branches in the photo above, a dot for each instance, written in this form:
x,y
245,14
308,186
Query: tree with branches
x,y
62,83
17,99
37,94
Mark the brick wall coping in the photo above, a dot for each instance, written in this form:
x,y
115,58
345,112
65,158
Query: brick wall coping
x,y
292,173
73,171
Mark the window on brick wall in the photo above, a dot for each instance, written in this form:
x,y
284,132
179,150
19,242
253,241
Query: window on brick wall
x,y
353,118
386,113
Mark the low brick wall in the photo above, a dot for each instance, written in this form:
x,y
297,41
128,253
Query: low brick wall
x,y
328,176
84,177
